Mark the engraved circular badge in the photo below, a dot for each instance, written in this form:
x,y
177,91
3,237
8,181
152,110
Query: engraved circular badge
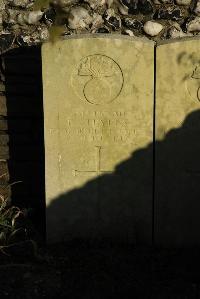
x,y
98,79
193,84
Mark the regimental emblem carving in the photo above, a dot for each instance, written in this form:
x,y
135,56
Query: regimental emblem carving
x,y
193,83
98,79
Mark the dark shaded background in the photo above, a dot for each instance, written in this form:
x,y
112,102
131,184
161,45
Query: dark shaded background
x,y
22,70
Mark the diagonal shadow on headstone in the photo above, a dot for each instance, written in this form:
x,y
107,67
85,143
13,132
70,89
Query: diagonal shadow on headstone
x,y
125,204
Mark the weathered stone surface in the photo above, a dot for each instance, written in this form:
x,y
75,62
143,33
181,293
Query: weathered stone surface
x,y
5,191
4,138
98,107
3,106
3,125
177,145
4,172
193,25
183,2
6,42
4,152
2,87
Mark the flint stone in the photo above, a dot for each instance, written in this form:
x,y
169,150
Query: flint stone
x,y
183,2
4,138
152,28
132,6
132,23
3,125
145,7
197,8
6,42
3,106
4,152
98,107
170,13
4,178
193,25
20,3
2,5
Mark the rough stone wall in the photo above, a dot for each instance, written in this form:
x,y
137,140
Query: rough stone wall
x,y
155,19
21,131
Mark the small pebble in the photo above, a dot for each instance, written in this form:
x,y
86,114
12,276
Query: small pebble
x,y
2,5
115,22
6,41
49,16
132,23
183,2
169,13
94,4
79,18
163,1
197,8
123,9
194,25
132,6
97,21
176,32
145,7
103,30
152,28
112,19
128,32
44,34
29,18
21,3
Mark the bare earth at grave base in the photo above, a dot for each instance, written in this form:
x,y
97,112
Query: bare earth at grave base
x,y
85,272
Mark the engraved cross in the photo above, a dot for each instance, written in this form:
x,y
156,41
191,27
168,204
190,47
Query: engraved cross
x,y
98,170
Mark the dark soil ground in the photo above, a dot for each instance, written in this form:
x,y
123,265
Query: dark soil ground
x,y
85,272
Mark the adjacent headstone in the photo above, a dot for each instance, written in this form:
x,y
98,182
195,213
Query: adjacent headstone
x,y
177,144
98,119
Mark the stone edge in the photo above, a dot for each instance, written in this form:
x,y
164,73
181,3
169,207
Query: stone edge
x,y
176,40
108,36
